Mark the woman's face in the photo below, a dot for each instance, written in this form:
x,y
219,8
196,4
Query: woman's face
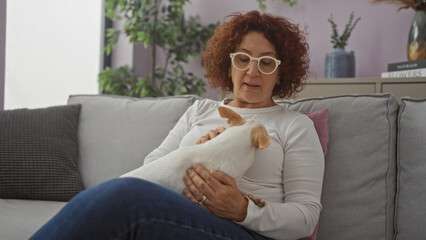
x,y
251,88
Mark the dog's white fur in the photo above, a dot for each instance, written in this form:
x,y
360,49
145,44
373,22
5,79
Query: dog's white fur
x,y
232,152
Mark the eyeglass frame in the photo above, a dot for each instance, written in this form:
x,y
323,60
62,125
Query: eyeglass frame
x,y
232,56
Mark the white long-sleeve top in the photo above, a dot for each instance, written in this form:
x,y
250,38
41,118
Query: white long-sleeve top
x,y
288,174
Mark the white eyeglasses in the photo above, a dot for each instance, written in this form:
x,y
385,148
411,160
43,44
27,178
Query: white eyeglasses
x,y
266,64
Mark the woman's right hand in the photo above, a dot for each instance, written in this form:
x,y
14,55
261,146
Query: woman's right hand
x,y
216,192
210,135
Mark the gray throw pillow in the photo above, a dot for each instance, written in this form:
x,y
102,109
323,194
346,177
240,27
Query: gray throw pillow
x,y
38,153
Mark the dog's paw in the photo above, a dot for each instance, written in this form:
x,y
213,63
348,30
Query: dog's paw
x,y
258,201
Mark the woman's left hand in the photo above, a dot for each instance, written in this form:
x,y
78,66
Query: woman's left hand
x,y
222,196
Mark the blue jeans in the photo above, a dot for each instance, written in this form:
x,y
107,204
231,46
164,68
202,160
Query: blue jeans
x,y
129,208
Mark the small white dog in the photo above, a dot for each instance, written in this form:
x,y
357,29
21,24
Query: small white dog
x,y
232,152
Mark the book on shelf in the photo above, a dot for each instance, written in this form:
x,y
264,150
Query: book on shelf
x,y
407,65
412,73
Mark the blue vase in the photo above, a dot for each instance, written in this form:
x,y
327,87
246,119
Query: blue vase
x,y
340,64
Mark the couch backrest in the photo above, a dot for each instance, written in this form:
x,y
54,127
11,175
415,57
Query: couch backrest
x,y
411,161
359,181
116,133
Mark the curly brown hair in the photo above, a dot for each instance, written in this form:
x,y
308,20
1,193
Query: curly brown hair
x,y
288,39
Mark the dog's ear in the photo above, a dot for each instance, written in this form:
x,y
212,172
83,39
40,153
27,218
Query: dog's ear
x,y
234,119
260,137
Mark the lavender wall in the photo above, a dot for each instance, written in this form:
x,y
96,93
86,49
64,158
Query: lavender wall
x,y
378,39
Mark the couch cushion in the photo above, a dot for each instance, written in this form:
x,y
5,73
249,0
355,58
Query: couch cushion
x,y
359,179
38,153
20,219
411,187
116,133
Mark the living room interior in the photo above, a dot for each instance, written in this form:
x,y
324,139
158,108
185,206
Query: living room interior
x,y
62,51
52,54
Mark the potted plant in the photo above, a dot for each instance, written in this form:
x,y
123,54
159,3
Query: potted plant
x,y
340,63
160,25
416,46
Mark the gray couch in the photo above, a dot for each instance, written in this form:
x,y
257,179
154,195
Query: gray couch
x,y
374,183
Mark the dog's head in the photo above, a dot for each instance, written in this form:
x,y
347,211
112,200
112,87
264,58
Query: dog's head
x,y
259,135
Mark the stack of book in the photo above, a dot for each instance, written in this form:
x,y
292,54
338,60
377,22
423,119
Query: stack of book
x,y
406,69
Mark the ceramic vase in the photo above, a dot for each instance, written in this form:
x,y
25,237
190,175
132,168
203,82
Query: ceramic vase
x,y
416,47
340,64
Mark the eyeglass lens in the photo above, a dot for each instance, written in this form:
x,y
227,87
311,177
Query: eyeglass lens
x,y
266,64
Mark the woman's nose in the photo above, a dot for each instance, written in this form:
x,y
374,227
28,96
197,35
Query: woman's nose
x,y
253,69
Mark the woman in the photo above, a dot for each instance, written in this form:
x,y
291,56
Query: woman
x,y
256,57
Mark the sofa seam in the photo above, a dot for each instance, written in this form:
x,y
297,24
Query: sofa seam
x,y
187,96
388,172
398,167
409,99
293,102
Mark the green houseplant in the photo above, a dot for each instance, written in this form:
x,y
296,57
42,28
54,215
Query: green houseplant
x,y
341,63
340,41
159,25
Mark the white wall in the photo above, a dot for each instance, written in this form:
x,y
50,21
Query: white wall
x,y
53,49
122,54
2,49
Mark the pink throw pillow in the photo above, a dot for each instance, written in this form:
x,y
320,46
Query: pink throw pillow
x,y
320,119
